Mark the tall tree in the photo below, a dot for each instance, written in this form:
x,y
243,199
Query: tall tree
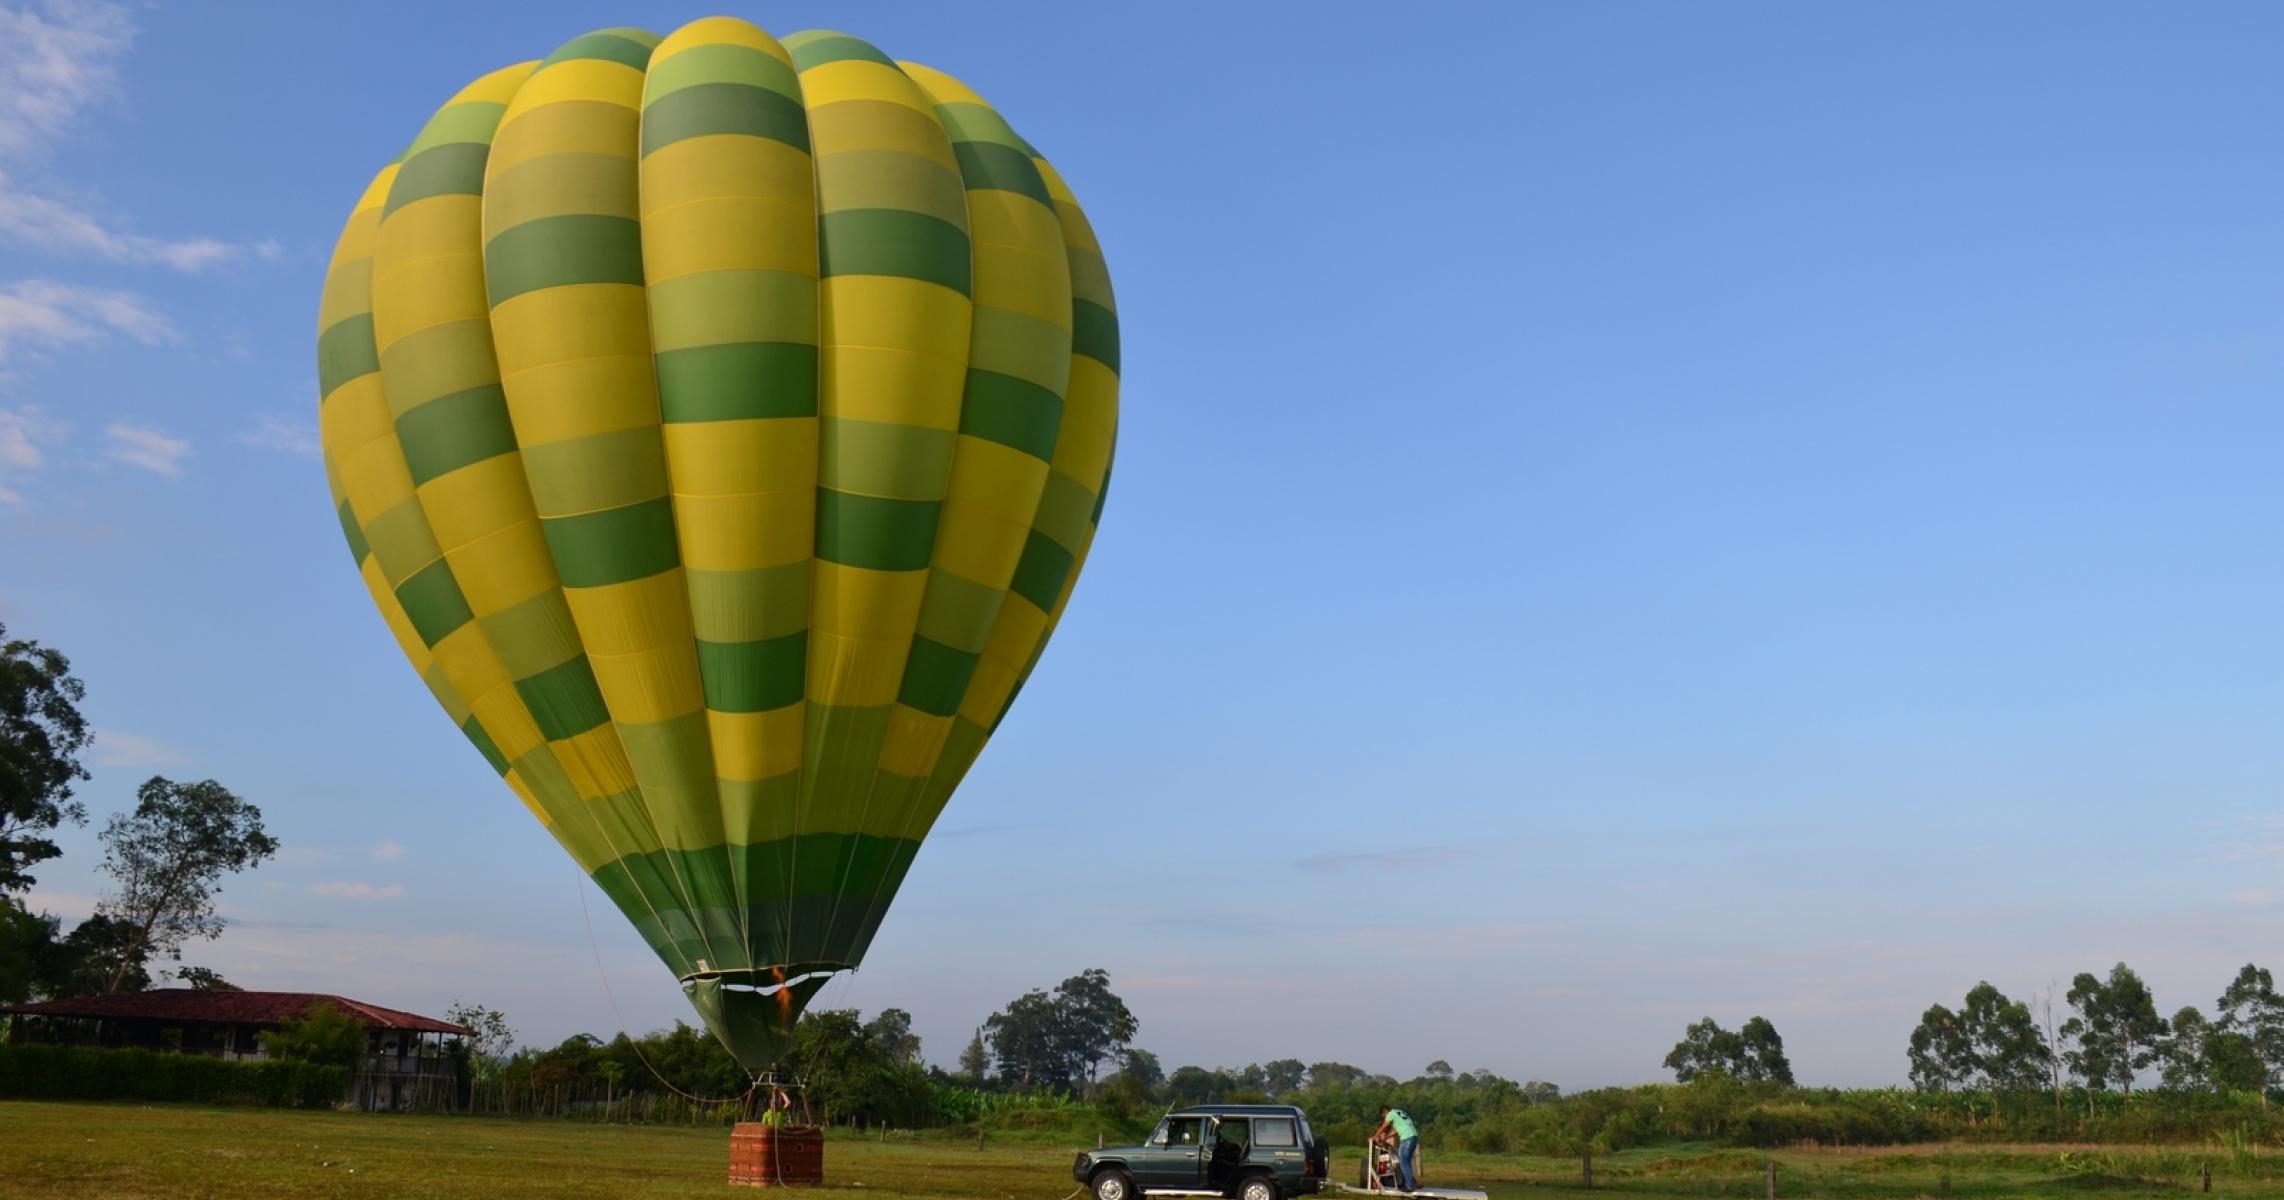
x,y
2186,1055
1283,1076
1334,1074
1439,1071
1095,1023
168,859
1704,1049
41,736
2004,1047
1024,1038
1940,1056
1142,1067
975,1061
1760,1057
2252,1009
890,1032
102,954
489,1039
2116,1029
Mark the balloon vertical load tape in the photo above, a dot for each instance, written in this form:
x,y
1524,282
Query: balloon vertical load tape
x,y
771,1155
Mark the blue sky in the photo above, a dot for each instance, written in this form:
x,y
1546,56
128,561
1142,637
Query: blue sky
x,y
1624,513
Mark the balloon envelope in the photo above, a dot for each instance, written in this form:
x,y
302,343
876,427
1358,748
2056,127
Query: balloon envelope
x,y
720,423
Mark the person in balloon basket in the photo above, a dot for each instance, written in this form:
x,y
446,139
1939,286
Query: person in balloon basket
x,y
779,1108
1397,1125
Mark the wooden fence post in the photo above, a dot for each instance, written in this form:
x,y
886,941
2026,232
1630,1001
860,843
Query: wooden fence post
x,y
1772,1178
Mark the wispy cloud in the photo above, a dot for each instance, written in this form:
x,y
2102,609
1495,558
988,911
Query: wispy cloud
x,y
385,852
1404,858
351,889
153,450
38,315
284,435
58,60
58,227
133,751
24,435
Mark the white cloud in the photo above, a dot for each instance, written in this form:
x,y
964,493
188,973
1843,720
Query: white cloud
x,y
349,889
56,59
134,751
46,223
24,434
59,59
386,852
151,449
286,436
37,315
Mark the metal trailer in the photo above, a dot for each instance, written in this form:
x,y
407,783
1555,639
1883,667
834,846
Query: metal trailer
x,y
1378,1182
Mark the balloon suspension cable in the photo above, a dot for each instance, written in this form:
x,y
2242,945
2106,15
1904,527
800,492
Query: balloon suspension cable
x,y
743,1100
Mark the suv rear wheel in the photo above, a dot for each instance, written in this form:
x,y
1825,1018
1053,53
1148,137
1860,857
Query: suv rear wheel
x,y
1113,1185
1257,1187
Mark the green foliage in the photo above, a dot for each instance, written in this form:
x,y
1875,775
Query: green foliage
x,y
41,736
2116,1031
167,860
34,1072
204,979
1059,1039
324,1035
1753,1054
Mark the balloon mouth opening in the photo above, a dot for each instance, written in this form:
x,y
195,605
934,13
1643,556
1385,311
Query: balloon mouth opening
x,y
766,981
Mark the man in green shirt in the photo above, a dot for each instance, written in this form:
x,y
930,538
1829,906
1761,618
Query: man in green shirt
x,y
1396,1123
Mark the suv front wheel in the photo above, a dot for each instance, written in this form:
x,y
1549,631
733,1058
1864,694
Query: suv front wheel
x,y
1257,1187
1113,1185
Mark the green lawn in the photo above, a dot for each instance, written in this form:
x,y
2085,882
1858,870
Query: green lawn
x,y
125,1152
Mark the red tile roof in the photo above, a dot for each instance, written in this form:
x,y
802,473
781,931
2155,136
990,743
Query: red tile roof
x,y
245,1008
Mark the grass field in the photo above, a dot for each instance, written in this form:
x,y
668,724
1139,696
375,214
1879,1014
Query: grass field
x,y
127,1152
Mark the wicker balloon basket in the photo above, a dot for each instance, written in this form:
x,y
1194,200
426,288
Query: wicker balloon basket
x,y
776,1155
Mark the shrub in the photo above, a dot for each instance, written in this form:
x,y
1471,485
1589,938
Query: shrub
x,y
94,1073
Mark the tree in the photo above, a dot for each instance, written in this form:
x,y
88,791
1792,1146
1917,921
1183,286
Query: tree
x,y
1753,1054
1539,1091
1761,1058
2117,1032
1334,1075
102,954
1142,1067
204,979
2252,1009
324,1035
488,1039
1094,1023
1061,1038
1704,1049
1939,1056
168,858
975,1061
41,736
1024,1039
2187,1054
30,952
890,1032
1439,1070
2004,1049
1283,1076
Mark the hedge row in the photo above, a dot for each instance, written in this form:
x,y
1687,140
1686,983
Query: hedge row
x,y
33,1072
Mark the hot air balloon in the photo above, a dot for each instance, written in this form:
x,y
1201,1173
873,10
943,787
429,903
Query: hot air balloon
x,y
719,424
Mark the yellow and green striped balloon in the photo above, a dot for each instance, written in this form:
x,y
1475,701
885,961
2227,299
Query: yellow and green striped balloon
x,y
719,424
